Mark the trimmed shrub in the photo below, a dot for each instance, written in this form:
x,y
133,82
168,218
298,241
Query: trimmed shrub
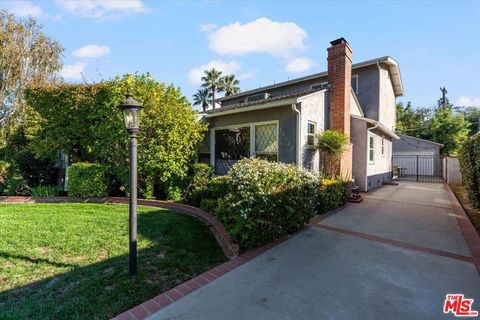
x,y
45,191
202,175
12,183
216,189
266,200
87,180
332,194
469,158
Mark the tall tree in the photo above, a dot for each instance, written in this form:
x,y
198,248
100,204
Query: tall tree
x,y
211,80
230,85
410,121
27,56
202,98
472,115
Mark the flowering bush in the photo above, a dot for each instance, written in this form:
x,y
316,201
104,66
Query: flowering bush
x,y
267,200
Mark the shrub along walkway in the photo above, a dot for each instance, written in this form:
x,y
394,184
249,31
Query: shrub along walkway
x,y
229,247
395,255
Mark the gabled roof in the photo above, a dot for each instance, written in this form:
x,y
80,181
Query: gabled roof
x,y
379,125
277,101
392,66
423,140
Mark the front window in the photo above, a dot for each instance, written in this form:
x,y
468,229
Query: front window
x,y
355,84
266,144
311,130
231,145
237,142
371,149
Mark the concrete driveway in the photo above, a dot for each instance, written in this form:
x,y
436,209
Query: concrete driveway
x,y
393,256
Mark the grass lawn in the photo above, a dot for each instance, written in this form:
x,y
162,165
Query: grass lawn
x,y
70,261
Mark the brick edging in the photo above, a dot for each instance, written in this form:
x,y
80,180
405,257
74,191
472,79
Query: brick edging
x,y
229,247
166,298
468,231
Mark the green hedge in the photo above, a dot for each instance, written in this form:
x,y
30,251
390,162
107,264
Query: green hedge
x,y
332,194
87,180
469,158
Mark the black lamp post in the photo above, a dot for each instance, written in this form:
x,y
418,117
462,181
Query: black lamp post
x,y
131,115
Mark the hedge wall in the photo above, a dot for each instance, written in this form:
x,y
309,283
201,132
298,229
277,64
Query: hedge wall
x,y
87,180
470,167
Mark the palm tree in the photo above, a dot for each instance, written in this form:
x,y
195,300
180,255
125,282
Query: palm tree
x,y
211,80
203,98
230,85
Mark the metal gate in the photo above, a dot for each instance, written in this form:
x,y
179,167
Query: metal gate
x,y
426,168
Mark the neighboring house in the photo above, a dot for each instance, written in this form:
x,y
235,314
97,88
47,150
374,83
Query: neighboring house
x,y
417,156
278,122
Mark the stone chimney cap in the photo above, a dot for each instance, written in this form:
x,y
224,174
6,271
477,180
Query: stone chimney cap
x,y
338,41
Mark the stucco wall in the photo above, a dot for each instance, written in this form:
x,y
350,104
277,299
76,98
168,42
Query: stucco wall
x,y
358,136
286,127
382,163
387,108
312,108
368,86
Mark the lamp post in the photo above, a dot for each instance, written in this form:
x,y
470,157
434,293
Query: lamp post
x,y
130,109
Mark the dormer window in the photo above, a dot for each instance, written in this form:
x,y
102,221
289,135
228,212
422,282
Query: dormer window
x,y
355,83
258,97
317,86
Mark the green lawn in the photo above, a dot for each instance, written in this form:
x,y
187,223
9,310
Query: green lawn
x,y
70,261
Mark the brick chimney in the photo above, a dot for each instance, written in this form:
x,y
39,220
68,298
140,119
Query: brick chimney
x,y
339,78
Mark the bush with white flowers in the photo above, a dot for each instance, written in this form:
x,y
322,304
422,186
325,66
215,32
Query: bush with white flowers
x,y
267,200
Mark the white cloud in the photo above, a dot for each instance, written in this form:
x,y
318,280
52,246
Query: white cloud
x,y
465,101
208,27
260,36
101,8
195,74
24,8
300,65
91,51
73,71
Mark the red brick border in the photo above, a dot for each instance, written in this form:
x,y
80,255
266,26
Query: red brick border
x,y
229,247
469,233
164,299
396,243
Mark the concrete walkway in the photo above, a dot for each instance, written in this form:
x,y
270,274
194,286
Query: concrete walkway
x,y
393,256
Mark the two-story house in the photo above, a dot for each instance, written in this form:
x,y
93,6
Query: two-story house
x,y
278,122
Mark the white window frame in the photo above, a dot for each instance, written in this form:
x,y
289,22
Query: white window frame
x,y
311,134
252,137
371,148
356,83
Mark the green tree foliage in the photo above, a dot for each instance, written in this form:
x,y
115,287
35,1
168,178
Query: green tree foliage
x,y
212,81
83,120
472,115
440,124
87,180
203,98
27,56
229,84
333,144
409,119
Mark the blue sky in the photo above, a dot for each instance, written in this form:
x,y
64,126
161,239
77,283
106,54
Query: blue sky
x,y
436,43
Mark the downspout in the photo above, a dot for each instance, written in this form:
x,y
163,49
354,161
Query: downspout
x,y
297,140
367,154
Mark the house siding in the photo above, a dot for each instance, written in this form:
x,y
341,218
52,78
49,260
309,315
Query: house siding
x,y
359,140
381,170
312,108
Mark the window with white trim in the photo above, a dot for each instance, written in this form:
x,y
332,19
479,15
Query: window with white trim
x,y
355,83
371,148
266,141
311,130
